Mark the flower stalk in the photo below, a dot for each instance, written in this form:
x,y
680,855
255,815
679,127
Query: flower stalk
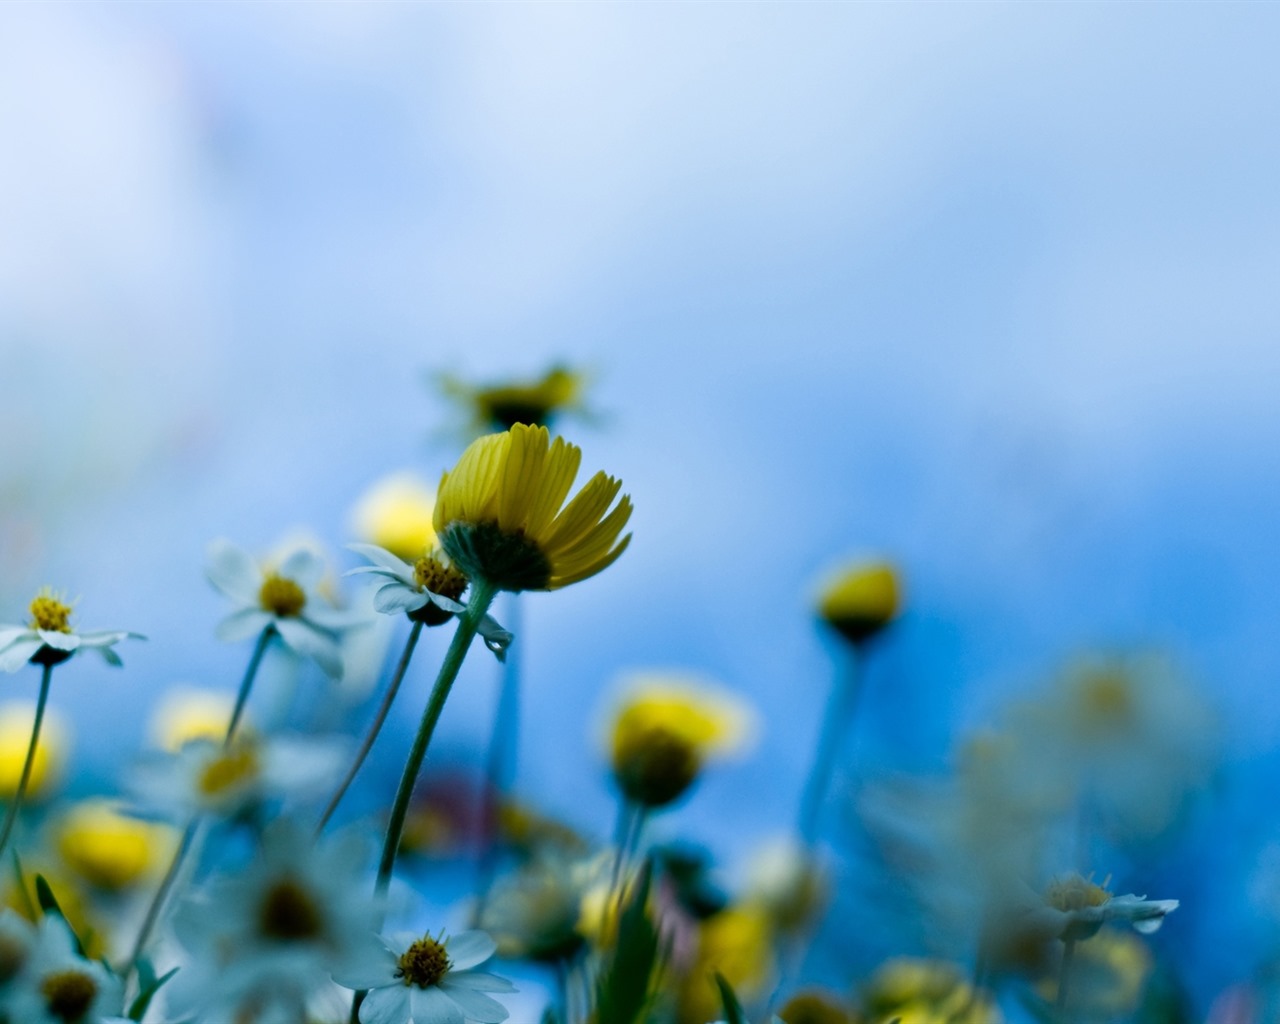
x,y
841,707
15,805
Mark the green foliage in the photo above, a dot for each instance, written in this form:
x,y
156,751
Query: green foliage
x,y
625,982
148,985
733,1012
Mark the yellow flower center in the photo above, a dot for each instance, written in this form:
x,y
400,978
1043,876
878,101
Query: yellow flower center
x,y
68,994
429,573
227,771
50,613
1108,698
13,955
288,913
281,596
1075,893
424,963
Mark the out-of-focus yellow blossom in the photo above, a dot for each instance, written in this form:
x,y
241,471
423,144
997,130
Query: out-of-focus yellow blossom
x,y
736,943
108,849
664,730
533,402
918,991
70,896
861,599
16,720
395,513
532,833
499,514
185,714
813,1007
1108,975
537,912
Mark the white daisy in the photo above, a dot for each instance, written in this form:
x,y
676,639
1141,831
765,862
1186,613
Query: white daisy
x,y
59,986
281,598
48,638
423,980
17,940
266,941
427,591
1078,908
206,777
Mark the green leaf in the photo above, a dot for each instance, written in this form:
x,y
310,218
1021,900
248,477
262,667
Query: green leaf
x,y
24,893
549,1016
733,1012
147,992
49,904
622,992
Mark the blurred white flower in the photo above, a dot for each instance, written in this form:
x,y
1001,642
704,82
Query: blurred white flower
x,y
56,985
423,980
283,598
266,940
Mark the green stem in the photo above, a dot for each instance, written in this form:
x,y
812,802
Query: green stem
x,y
499,766
841,706
154,909
1064,973
482,594
11,818
383,709
250,673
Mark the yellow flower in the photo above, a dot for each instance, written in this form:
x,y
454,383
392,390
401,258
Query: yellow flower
x,y
736,943
16,721
1108,975
109,849
919,991
395,513
499,515
666,728
814,1007
531,402
188,714
861,599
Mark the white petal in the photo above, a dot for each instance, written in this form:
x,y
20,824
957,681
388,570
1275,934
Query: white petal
x,y
447,603
8,634
333,619
232,570
311,643
107,637
109,656
466,949
378,570
59,641
304,567
476,1005
18,654
382,557
431,1006
367,967
478,981
396,597
387,1005
243,624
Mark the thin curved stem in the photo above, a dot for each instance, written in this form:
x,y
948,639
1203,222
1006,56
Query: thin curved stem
x,y
15,805
374,729
1064,973
246,684
841,706
499,766
482,594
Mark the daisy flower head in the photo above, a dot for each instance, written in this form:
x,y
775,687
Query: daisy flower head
x,y
268,938
282,598
395,513
664,730
427,591
534,402
1078,908
49,639
426,980
500,518
56,985
861,599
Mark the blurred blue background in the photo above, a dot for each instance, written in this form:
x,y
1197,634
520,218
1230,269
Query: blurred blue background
x,y
988,288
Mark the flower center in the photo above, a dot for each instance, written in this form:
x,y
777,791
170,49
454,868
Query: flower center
x,y
289,914
281,596
50,613
654,765
424,963
1075,893
13,954
1107,698
485,551
429,573
228,770
68,994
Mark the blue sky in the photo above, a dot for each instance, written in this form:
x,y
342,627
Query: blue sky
x,y
986,287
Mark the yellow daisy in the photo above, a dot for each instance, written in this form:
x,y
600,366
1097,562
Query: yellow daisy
x,y
531,402
499,517
861,599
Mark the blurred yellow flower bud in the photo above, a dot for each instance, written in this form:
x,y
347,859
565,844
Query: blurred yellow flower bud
x,y
109,849
395,513
861,600
917,991
664,730
736,943
16,720
813,1007
186,714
